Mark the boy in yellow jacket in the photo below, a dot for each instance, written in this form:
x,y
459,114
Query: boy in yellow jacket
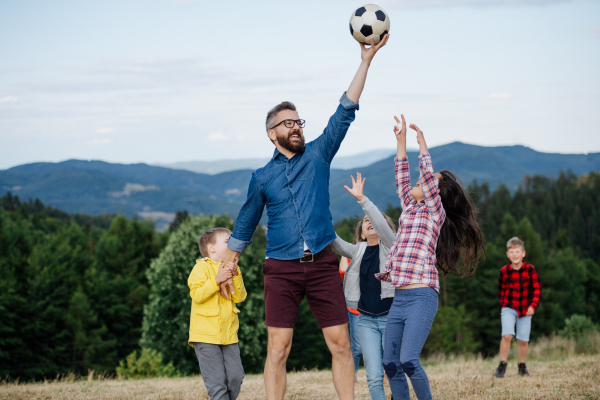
x,y
214,319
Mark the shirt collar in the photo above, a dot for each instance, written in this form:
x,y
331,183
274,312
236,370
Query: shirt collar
x,y
277,153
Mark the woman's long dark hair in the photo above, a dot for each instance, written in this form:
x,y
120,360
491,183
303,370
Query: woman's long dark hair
x,y
460,244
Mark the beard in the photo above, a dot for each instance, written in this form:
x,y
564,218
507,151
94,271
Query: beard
x,y
285,142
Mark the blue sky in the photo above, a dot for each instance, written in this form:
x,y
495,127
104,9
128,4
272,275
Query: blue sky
x,y
166,80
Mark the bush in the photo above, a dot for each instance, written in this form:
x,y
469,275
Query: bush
x,y
148,365
583,332
556,347
577,327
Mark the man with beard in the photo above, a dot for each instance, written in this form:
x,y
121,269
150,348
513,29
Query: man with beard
x,y
294,186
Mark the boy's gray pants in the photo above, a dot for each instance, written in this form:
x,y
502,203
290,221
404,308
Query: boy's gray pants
x,y
221,369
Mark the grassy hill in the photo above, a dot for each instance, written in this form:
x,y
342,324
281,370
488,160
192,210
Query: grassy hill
x,y
95,187
458,379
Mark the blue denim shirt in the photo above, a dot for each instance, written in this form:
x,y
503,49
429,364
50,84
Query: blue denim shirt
x,y
296,193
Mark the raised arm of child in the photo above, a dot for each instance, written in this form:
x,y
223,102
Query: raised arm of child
x,y
429,182
380,225
402,172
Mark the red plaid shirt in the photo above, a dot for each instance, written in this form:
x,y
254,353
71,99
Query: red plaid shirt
x,y
519,289
412,256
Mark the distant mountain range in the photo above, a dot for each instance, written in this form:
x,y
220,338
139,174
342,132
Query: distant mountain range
x,y
216,167
95,187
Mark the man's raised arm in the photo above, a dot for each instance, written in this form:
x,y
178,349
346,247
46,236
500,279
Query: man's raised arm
x,y
367,54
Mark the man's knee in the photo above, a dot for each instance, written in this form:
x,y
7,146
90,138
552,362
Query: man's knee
x,y
338,339
279,344
278,353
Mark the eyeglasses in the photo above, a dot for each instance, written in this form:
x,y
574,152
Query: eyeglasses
x,y
289,123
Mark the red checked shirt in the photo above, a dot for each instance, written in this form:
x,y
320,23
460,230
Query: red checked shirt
x,y
412,256
519,289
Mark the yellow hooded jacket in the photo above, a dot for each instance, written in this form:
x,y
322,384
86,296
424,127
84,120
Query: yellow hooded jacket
x,y
214,319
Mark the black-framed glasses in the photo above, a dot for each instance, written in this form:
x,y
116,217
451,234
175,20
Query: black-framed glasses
x,y
289,123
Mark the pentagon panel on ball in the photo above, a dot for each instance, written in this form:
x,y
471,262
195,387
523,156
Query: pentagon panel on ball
x,y
369,21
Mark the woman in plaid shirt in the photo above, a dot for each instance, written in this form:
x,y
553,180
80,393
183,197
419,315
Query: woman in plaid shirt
x,y
437,229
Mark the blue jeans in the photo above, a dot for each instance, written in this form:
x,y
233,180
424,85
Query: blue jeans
x,y
372,333
408,326
354,339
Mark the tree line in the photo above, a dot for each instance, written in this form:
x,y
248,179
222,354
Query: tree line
x,y
81,292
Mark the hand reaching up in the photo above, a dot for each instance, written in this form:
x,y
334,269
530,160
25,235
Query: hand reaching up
x,y
357,187
367,53
420,139
400,128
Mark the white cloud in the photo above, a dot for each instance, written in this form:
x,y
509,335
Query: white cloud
x,y
500,95
104,131
8,100
266,89
98,141
594,32
217,136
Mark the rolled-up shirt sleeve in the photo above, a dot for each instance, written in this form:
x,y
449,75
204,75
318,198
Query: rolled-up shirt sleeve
x,y
248,217
330,140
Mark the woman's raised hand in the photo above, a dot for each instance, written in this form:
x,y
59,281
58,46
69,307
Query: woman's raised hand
x,y
400,128
357,187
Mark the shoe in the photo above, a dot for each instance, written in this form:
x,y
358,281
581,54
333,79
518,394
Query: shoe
x,y
523,370
501,370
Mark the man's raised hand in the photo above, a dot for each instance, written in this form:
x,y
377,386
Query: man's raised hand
x,y
357,187
367,54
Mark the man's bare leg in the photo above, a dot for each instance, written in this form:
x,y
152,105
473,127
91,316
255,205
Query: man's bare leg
x,y
278,350
338,341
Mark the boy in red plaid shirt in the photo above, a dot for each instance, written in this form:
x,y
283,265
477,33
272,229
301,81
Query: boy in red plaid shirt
x,y
519,289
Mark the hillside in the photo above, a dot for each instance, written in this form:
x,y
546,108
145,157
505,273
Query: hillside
x,y
216,167
95,187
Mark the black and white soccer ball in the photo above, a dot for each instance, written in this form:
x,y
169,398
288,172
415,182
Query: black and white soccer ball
x,y
369,21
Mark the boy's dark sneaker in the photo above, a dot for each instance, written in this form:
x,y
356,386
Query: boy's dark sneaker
x,y
501,370
523,370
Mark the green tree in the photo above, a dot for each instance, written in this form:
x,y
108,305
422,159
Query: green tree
x,y
167,314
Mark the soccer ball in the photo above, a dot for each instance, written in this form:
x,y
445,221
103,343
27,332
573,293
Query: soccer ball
x,y
369,21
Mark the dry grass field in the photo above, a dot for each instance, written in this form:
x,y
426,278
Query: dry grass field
x,y
577,377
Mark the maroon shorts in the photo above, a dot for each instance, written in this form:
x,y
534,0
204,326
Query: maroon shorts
x,y
287,282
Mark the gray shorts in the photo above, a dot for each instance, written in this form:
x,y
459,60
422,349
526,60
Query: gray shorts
x,y
510,318
221,369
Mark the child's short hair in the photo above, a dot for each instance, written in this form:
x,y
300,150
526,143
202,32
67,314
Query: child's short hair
x,y
210,237
515,242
